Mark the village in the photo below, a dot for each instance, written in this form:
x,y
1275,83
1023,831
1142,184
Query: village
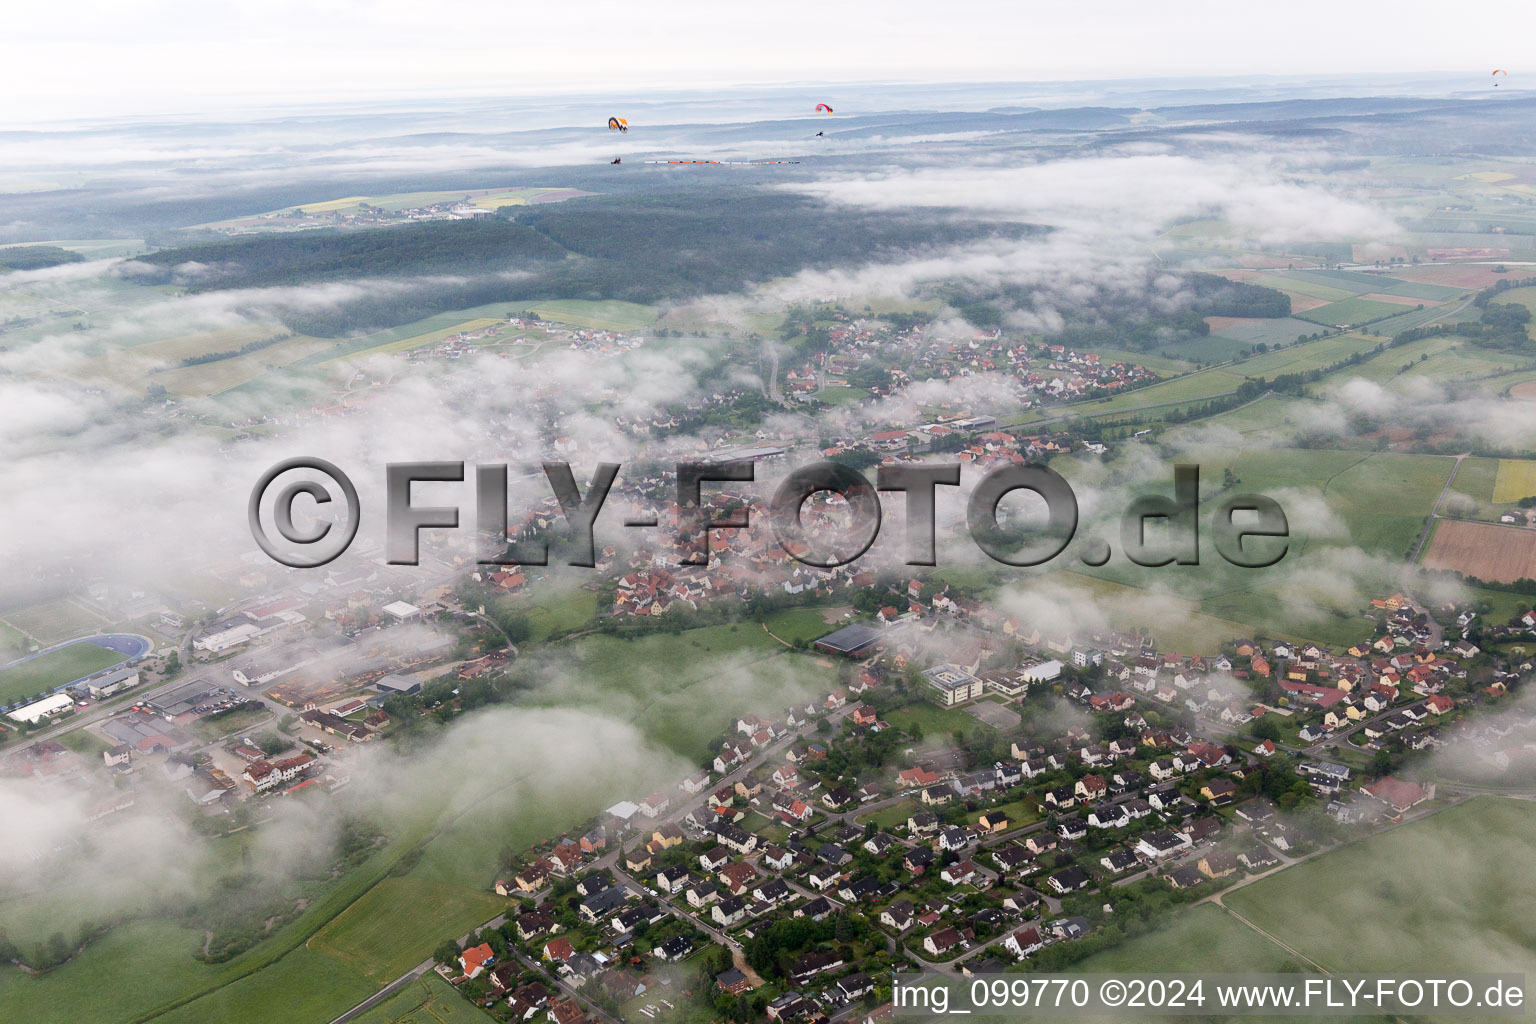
x,y
821,852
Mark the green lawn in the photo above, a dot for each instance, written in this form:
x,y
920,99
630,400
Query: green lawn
x,y
237,720
399,922
1441,893
1353,312
892,816
935,722
47,671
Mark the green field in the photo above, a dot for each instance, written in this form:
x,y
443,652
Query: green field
x,y
554,614
607,314
1190,387
799,624
1199,939
427,1000
1449,899
133,968
422,340
400,922
47,671
935,722
659,682
1353,311
302,986
53,622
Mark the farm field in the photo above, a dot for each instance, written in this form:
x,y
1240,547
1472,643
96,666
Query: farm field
x,y
1352,311
419,340
1199,938
1274,331
130,971
1439,904
219,375
1191,387
1516,479
1488,551
47,671
607,314
302,986
399,922
427,1000
1524,296
1435,359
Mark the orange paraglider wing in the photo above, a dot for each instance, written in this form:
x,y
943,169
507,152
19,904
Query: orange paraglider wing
x,y
618,124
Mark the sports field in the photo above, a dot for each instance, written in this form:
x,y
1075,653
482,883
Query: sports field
x,y
1516,480
54,669
52,622
1488,551
400,921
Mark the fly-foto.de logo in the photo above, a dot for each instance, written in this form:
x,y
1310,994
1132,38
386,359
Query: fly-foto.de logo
x,y
1156,529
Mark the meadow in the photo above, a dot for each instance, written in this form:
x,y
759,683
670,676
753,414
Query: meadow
x,y
400,921
1446,900
607,314
427,1000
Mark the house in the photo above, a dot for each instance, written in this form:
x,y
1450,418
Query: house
x,y
811,964
733,982
1024,942
1012,858
1219,791
714,859
1160,845
918,860
942,941
898,915
1217,864
558,950
737,877
1201,828
853,987
1069,880
1186,877
960,873
776,858
954,839
729,911
475,959
1118,860
923,823
771,891
1091,787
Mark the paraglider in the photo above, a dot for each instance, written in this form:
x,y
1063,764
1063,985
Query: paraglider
x,y
1499,71
618,124
821,135
822,108
615,160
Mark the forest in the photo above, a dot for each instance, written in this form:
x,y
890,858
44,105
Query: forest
x,y
652,248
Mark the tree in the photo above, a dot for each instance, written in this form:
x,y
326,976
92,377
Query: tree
x,y
447,954
1265,728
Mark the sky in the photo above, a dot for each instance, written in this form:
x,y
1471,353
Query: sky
x,y
97,58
